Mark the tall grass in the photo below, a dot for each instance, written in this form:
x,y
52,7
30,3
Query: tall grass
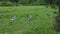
x,y
41,24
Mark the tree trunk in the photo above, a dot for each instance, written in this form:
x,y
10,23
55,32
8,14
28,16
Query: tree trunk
x,y
59,11
58,20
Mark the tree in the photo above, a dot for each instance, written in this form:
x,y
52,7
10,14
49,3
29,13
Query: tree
x,y
16,1
55,3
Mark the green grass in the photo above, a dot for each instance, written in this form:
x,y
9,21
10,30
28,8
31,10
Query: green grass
x,y
41,24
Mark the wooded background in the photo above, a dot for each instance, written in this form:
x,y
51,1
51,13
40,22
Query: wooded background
x,y
21,2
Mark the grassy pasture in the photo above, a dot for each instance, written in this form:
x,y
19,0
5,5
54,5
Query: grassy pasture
x,y
41,24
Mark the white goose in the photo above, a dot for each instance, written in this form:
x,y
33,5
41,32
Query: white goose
x,y
29,17
13,18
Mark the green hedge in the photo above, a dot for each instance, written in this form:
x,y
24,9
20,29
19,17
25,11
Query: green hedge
x,y
7,4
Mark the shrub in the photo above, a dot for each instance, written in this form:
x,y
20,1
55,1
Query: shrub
x,y
7,4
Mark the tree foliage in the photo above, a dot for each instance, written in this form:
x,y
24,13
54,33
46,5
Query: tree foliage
x,y
53,2
25,2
